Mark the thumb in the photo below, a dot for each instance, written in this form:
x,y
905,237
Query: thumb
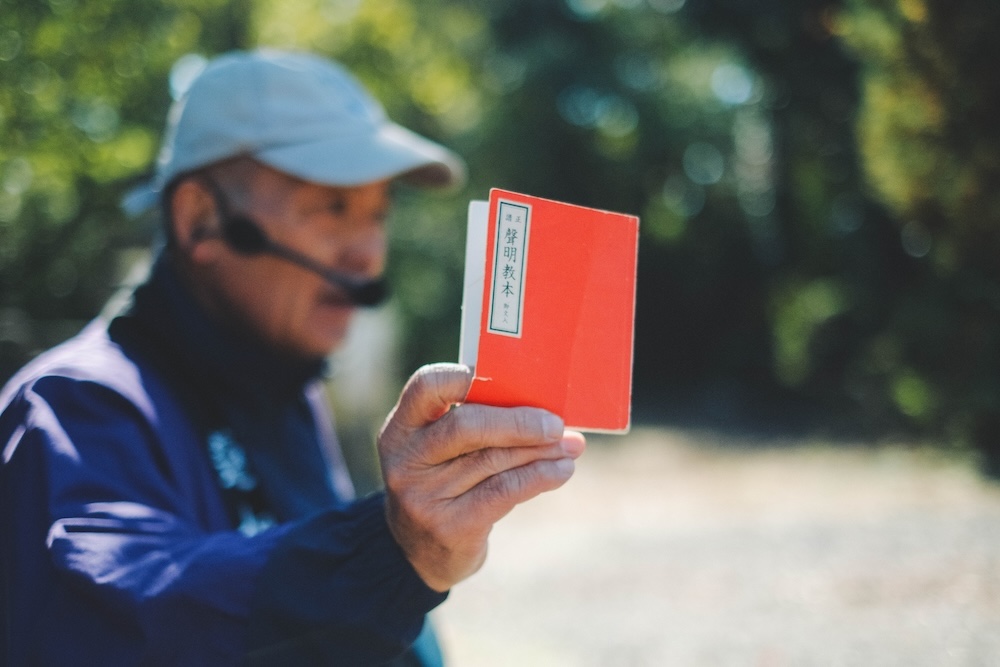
x,y
430,393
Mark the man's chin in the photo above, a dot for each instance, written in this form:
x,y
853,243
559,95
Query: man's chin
x,y
331,330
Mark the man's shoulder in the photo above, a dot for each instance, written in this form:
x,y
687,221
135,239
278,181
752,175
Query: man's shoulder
x,y
88,357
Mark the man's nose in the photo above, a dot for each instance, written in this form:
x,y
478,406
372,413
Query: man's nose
x,y
365,254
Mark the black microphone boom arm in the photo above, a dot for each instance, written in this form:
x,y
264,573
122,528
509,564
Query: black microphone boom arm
x,y
245,236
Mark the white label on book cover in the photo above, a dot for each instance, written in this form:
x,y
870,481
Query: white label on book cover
x,y
477,233
510,261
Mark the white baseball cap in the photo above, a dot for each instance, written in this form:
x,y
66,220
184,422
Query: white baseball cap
x,y
298,113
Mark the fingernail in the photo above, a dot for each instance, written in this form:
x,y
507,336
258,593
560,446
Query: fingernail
x,y
552,426
572,447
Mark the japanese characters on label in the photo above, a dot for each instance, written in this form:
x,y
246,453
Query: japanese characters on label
x,y
509,262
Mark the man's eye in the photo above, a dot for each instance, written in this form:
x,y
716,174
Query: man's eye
x,y
338,206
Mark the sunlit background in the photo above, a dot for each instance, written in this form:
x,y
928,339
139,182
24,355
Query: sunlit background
x,y
819,188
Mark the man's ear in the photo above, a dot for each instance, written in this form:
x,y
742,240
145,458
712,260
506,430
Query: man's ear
x,y
195,221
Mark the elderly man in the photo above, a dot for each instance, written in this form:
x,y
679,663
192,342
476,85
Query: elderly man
x,y
171,490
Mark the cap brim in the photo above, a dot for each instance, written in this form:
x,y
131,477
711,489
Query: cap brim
x,y
393,152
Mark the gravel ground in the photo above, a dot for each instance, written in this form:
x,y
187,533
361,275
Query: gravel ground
x,y
667,549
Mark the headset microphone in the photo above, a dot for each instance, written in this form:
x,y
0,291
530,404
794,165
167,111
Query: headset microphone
x,y
246,237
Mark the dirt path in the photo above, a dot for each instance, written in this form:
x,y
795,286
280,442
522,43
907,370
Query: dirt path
x,y
666,550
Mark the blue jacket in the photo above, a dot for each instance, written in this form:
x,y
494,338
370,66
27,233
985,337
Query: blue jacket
x,y
118,536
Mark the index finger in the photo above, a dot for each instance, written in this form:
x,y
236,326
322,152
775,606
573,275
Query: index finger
x,y
472,427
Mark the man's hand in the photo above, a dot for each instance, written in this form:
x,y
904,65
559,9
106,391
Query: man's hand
x,y
452,472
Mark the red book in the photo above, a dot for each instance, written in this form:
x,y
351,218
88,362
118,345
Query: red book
x,y
549,308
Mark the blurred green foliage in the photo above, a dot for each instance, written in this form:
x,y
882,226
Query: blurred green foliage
x,y
929,141
813,177
82,98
